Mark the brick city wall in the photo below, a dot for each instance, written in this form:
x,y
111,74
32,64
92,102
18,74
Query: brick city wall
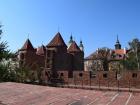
x,y
102,78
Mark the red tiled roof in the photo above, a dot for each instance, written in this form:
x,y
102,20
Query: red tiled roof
x,y
57,41
41,50
120,51
27,45
74,47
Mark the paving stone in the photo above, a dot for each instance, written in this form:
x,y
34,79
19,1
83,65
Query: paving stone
x,y
25,94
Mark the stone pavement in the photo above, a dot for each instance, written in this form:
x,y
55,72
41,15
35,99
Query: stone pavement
x,y
25,94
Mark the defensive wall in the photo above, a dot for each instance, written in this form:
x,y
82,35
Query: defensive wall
x,y
125,79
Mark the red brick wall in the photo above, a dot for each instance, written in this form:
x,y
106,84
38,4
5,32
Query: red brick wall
x,y
102,78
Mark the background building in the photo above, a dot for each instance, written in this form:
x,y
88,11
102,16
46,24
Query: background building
x,y
105,59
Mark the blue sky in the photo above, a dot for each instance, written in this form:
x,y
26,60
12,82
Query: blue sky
x,y
96,22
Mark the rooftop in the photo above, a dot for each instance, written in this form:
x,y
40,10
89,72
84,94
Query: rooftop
x,y
74,47
41,50
57,41
27,45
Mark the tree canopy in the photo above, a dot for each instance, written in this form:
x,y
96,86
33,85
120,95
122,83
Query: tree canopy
x,y
4,52
132,59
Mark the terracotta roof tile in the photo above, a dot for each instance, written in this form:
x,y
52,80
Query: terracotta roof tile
x,y
74,47
27,45
57,41
41,50
120,51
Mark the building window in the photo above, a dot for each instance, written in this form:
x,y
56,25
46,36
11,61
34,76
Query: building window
x,y
48,53
22,56
48,66
33,74
62,74
80,74
46,73
105,75
48,61
49,72
53,52
120,56
134,75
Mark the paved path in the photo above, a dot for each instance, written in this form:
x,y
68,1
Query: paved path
x,y
24,94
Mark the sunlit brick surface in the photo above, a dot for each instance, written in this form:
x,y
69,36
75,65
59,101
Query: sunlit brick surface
x,y
24,94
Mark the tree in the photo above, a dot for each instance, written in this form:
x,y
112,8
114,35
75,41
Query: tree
x,y
135,48
103,54
6,72
131,61
9,66
4,53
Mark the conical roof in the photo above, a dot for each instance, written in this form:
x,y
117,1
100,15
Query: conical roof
x,y
117,45
74,47
117,42
27,45
57,41
41,50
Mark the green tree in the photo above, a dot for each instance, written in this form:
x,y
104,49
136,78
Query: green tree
x,y
9,66
135,47
21,74
4,52
132,59
6,72
103,54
